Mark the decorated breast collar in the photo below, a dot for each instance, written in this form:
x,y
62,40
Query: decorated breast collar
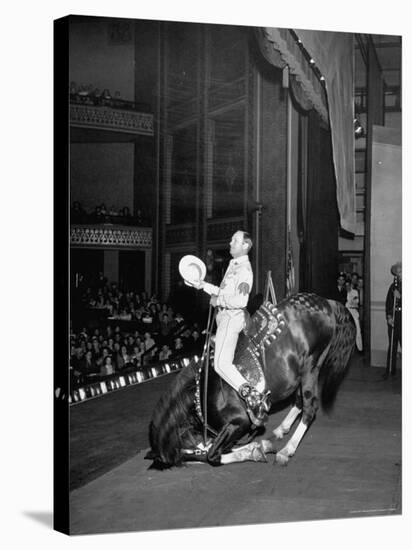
x,y
266,326
271,323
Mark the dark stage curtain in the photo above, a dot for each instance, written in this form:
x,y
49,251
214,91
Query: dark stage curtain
x,y
322,217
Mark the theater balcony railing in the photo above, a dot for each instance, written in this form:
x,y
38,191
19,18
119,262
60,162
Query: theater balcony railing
x,y
110,235
104,117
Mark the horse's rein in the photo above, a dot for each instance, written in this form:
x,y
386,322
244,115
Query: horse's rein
x,y
210,322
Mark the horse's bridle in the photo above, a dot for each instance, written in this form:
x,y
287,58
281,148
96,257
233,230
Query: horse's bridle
x,y
204,362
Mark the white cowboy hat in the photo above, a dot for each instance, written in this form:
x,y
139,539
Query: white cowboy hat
x,y
192,269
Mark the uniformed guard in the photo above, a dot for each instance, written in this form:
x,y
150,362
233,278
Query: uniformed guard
x,y
393,310
231,299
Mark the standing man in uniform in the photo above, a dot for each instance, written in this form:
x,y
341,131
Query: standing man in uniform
x,y
231,299
393,309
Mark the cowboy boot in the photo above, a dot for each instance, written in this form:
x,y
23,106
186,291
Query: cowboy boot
x,y
257,404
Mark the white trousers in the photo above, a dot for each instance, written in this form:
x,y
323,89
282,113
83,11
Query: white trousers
x,y
355,314
229,324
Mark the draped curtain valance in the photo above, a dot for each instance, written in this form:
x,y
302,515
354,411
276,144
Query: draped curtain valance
x,y
332,53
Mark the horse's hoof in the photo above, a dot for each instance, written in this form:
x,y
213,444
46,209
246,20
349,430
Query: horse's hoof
x,y
258,454
267,446
278,433
282,459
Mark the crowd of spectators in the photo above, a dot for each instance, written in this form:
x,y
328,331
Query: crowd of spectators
x,y
349,291
137,331
102,214
346,283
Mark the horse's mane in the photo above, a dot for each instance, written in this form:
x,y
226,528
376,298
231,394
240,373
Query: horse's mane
x,y
173,417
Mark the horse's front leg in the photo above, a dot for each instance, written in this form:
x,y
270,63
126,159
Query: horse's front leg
x,y
287,422
310,405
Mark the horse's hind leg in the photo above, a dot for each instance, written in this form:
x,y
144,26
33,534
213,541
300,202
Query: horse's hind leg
x,y
254,451
286,424
226,438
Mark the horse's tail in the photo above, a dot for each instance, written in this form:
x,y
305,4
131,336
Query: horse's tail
x,y
336,364
173,413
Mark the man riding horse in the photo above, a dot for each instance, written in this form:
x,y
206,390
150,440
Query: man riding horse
x,y
231,299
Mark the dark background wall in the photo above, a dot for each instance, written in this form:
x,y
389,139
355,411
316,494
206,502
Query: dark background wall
x,y
102,173
273,179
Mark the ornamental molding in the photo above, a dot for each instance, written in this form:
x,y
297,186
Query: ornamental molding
x,y
132,122
117,236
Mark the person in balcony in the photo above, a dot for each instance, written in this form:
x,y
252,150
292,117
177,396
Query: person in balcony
x,y
124,215
77,213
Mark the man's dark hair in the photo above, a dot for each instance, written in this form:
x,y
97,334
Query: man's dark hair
x,y
247,239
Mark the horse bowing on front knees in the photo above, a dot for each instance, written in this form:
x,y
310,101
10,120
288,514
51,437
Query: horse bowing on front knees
x,y
302,346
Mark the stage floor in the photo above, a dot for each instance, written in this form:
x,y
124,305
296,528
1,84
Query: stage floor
x,y
347,466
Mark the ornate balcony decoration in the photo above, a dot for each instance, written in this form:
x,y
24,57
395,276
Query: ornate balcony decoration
x,y
113,236
106,118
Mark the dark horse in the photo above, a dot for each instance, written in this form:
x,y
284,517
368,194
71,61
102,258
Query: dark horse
x,y
303,346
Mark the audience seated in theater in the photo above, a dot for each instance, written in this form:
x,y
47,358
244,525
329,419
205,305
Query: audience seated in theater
x,y
166,335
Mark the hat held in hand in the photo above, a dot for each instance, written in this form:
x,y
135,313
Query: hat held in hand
x,y
192,269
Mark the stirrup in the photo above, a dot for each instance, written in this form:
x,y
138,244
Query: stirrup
x,y
257,405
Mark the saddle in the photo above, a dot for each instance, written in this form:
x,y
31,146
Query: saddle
x,y
266,325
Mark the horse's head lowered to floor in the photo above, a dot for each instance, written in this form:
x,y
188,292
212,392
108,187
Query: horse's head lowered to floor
x,y
293,345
